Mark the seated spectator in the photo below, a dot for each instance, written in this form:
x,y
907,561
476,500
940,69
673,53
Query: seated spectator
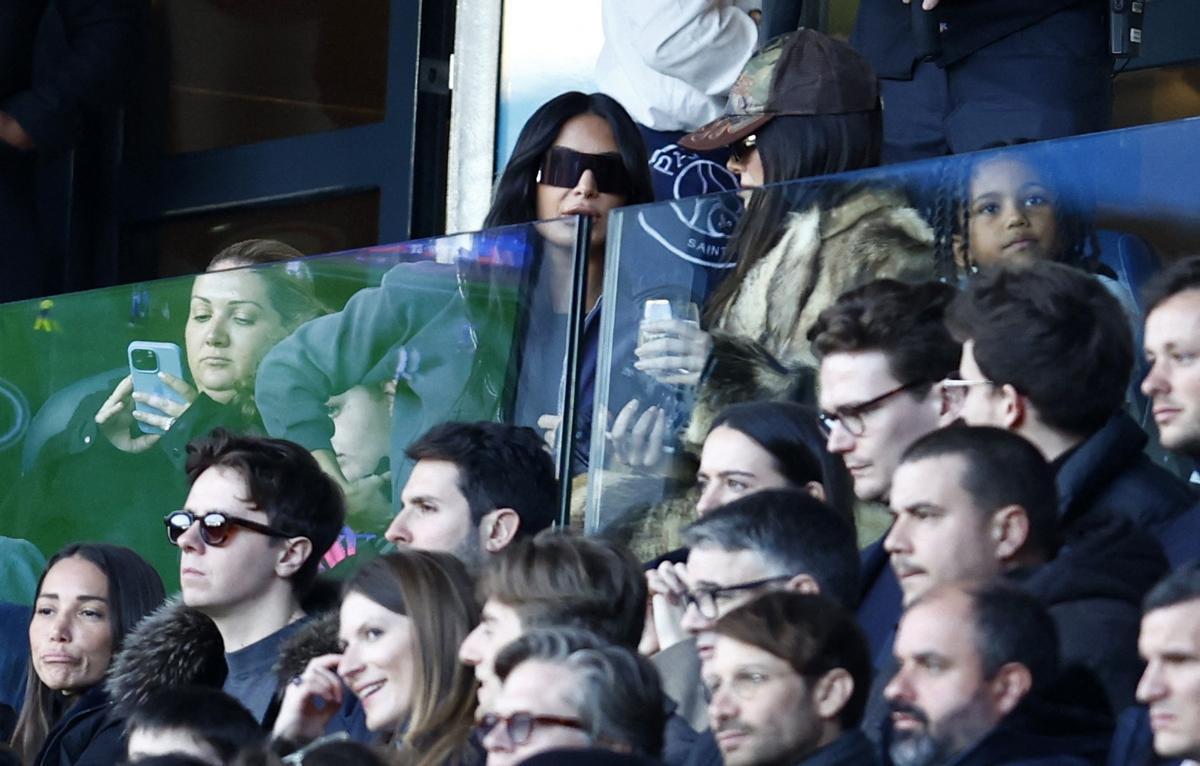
x,y
883,350
554,580
88,599
258,518
474,489
1062,388
125,451
770,445
205,723
1019,206
771,540
567,688
1167,729
361,442
1171,348
458,322
1008,206
978,503
976,665
787,681
754,446
401,620
806,105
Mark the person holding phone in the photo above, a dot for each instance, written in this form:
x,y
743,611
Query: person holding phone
x,y
235,316
122,451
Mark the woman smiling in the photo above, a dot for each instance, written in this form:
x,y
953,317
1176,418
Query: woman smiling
x,y
402,619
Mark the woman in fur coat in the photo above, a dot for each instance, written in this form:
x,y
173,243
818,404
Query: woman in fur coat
x,y
806,106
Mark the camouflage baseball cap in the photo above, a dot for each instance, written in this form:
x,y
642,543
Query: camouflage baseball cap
x,y
804,72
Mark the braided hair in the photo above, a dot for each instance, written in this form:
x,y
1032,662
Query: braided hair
x,y
951,209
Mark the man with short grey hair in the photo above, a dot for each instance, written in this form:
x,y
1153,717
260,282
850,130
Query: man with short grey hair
x,y
565,688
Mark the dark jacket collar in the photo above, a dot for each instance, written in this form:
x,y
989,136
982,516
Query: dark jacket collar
x,y
1083,471
851,749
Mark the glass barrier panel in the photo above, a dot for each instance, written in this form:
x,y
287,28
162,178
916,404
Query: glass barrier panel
x,y
352,355
691,326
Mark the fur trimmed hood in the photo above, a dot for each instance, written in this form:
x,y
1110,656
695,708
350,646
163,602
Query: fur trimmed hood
x,y
174,645
318,637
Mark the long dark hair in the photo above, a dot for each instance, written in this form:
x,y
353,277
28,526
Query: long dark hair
x,y
789,432
515,197
434,590
134,590
1078,245
792,147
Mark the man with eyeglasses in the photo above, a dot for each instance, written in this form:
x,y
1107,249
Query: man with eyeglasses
x,y
258,518
568,689
787,681
774,540
883,350
1047,353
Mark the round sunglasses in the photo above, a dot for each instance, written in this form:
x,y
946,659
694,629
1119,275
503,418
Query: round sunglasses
x,y
215,526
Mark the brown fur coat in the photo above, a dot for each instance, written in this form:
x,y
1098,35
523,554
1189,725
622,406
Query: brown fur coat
x,y
760,343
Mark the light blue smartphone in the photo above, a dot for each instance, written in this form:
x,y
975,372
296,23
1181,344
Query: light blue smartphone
x,y
146,360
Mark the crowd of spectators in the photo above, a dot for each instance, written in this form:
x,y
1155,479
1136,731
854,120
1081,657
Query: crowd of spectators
x,y
1034,599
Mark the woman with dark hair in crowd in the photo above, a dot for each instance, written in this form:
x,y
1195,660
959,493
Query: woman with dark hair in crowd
x,y
578,154
235,315
88,598
401,621
807,105
770,445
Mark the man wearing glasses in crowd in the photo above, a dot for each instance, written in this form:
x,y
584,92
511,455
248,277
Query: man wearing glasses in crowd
x,y
787,682
566,689
885,353
772,540
258,518
1063,387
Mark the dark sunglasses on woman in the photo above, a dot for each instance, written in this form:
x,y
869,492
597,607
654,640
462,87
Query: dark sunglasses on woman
x,y
563,167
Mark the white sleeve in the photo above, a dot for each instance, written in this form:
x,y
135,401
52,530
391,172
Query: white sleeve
x,y
704,43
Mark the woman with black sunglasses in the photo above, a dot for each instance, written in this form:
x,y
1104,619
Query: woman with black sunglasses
x,y
467,336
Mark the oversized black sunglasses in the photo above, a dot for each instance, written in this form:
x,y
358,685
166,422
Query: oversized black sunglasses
x,y
564,167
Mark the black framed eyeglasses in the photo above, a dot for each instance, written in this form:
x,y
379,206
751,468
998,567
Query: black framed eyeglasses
x,y
215,526
850,416
740,150
705,599
519,726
